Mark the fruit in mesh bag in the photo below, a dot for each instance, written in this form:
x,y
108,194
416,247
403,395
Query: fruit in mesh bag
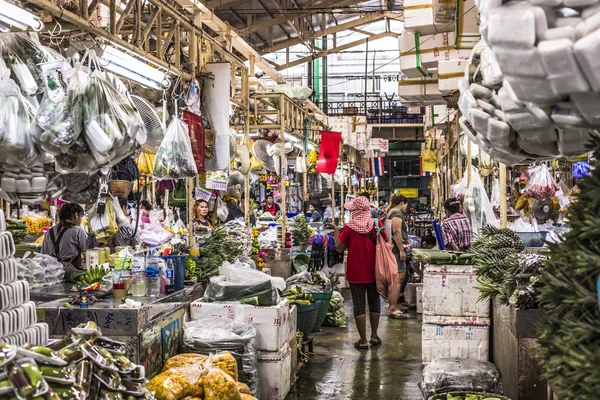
x,y
243,388
219,385
182,360
169,385
226,362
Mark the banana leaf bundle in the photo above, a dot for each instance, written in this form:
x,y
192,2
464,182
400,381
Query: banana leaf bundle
x,y
441,257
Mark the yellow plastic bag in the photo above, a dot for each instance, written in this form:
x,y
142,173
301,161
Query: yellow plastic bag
x,y
225,361
248,397
183,360
243,388
219,385
169,385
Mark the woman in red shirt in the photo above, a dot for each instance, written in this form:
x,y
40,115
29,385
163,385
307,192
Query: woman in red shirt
x,y
359,237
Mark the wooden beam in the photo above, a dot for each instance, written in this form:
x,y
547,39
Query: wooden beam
x,y
149,24
124,14
282,19
335,50
360,21
224,4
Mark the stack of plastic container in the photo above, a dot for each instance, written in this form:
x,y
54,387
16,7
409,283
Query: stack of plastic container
x,y
455,324
17,314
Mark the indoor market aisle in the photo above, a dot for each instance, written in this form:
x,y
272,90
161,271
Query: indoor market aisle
x,y
338,371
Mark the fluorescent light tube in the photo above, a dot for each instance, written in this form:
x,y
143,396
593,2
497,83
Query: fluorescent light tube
x,y
18,17
132,68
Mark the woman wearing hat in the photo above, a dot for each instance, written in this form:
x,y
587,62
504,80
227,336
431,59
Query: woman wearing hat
x,y
359,237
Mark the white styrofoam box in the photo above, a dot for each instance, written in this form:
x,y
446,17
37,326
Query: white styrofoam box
x,y
444,11
467,25
271,323
451,268
274,373
292,322
449,73
411,292
452,294
418,17
455,341
420,90
420,300
418,51
445,320
437,116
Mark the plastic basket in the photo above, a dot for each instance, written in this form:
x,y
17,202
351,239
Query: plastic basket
x,y
300,260
445,395
323,300
533,239
307,317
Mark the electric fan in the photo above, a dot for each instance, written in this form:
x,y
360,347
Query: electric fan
x,y
154,125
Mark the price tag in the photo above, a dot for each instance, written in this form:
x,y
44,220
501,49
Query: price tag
x,y
216,184
201,194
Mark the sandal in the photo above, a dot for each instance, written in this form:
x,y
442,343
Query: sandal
x,y
361,346
397,315
375,342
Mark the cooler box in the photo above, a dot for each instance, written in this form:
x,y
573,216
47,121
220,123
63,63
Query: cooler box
x,y
450,290
274,373
419,17
272,323
449,73
455,341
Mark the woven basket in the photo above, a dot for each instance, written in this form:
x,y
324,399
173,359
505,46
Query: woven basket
x,y
307,317
445,395
120,188
323,300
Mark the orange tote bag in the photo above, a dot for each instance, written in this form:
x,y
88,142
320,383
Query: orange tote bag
x,y
386,266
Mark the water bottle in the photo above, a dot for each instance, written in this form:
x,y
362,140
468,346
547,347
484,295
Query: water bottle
x,y
138,268
153,276
169,275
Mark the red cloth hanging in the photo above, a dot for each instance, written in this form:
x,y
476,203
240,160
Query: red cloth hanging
x,y
197,138
328,152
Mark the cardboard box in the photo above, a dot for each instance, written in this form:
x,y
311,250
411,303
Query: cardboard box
x,y
272,323
274,373
452,294
418,17
467,25
455,341
449,73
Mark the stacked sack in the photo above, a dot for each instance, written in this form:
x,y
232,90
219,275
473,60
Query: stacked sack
x,y
17,313
533,92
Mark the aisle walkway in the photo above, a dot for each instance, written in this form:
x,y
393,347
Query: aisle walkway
x,y
338,371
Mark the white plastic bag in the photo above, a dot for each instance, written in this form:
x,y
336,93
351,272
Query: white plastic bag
x,y
477,206
495,198
239,272
154,235
541,184
174,158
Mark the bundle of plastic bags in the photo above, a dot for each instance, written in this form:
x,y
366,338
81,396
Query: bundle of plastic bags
x,y
477,206
40,270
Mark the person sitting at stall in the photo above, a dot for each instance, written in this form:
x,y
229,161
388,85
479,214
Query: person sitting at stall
x,y
456,227
271,207
145,207
201,214
314,214
126,235
67,240
234,211
428,241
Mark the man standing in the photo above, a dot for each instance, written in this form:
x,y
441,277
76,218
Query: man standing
x,y
271,207
456,228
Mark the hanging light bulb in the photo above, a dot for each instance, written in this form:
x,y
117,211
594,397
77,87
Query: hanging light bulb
x,y
13,16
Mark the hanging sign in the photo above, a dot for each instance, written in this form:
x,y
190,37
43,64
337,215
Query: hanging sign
x,y
201,194
428,161
409,193
380,145
216,184
329,152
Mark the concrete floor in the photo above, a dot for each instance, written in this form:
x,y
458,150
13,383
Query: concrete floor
x,y
338,371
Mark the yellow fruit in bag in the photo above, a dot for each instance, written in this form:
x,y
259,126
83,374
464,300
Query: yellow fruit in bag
x,y
169,385
219,385
243,388
183,360
248,397
145,163
225,361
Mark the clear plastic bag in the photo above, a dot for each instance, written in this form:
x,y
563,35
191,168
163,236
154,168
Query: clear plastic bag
x,y
174,158
219,385
154,235
454,375
239,272
495,198
541,184
17,118
477,206
220,289
237,336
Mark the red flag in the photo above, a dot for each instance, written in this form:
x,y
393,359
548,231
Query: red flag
x,y
197,137
329,152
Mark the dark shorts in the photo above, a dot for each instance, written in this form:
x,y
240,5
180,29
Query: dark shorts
x,y
359,293
401,264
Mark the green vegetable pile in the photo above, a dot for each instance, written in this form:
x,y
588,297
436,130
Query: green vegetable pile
x,y
295,295
470,396
301,232
570,328
190,269
336,314
441,257
216,249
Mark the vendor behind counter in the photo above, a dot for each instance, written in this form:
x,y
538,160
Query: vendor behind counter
x,y
67,240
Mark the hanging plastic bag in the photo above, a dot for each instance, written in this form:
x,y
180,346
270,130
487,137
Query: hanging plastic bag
x,y
145,163
495,198
541,184
386,265
174,158
460,187
477,206
222,211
